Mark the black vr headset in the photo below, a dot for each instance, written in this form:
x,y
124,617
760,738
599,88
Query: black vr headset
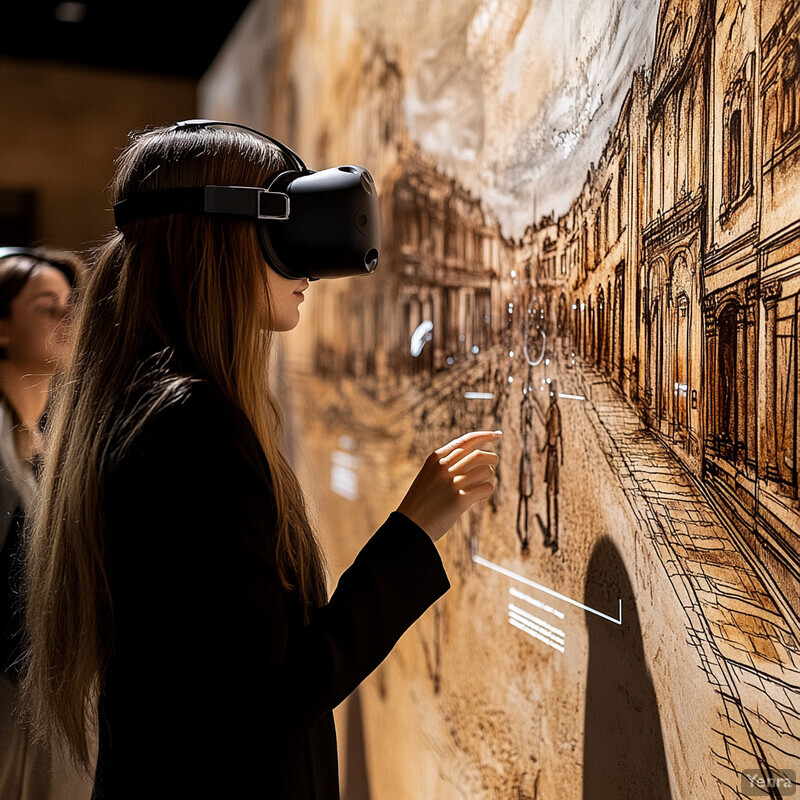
x,y
310,224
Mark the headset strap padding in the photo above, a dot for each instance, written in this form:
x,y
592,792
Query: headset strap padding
x,y
158,204
239,201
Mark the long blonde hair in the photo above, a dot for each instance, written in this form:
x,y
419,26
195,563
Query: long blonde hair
x,y
170,300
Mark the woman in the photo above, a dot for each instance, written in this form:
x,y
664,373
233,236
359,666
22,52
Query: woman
x,y
35,289
176,594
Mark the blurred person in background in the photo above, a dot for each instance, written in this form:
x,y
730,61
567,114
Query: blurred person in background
x,y
36,286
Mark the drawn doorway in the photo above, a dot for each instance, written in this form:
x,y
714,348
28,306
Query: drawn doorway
x,y
681,388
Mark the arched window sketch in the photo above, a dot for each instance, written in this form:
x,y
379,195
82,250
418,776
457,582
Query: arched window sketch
x,y
790,73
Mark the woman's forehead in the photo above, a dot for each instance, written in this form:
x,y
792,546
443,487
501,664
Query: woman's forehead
x,y
45,280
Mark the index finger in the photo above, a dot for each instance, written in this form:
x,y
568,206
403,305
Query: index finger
x,y
467,442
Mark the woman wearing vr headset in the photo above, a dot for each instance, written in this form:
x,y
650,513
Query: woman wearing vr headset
x,y
35,289
176,591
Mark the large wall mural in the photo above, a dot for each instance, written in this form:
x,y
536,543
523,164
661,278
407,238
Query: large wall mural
x,y
592,242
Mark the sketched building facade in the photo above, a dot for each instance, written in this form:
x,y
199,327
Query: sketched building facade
x,y
675,272
684,261
605,221
449,256
539,278
350,332
752,274
673,227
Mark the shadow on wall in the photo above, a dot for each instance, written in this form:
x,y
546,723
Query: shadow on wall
x,y
356,775
623,749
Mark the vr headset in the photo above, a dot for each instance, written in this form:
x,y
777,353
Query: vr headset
x,y
310,224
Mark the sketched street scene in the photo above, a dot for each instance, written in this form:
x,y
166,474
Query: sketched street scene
x,y
635,334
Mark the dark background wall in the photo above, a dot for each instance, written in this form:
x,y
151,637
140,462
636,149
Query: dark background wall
x,y
61,127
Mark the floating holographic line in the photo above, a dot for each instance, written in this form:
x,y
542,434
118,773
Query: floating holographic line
x,y
544,347
535,634
538,603
479,395
571,396
545,628
514,576
422,334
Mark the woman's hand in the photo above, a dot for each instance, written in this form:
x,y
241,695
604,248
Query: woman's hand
x,y
453,478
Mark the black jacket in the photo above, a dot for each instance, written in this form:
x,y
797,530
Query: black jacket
x,y
216,688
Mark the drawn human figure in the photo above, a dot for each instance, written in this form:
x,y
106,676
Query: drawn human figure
x,y
525,484
500,401
554,457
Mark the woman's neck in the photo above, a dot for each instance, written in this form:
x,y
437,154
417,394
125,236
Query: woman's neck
x,y
27,393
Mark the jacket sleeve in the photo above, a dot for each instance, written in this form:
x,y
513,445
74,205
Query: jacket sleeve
x,y
197,596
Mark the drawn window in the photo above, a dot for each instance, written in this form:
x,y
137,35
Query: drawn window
x,y
737,140
450,239
674,42
790,71
585,247
734,154
597,237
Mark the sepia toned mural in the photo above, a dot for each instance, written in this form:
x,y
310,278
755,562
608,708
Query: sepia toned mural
x,y
592,242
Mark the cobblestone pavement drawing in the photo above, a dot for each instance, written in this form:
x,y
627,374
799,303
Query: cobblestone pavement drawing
x,y
748,648
744,639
